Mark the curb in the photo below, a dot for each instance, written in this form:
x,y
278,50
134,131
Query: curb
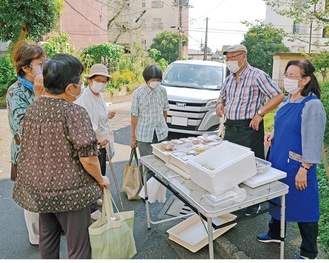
x,y
227,250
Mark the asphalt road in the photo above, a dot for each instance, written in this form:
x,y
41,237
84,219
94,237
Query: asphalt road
x,y
239,242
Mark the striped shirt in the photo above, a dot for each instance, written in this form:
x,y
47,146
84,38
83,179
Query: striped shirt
x,y
243,99
149,106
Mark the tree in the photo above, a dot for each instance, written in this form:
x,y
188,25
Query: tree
x,y
321,62
262,41
167,43
28,19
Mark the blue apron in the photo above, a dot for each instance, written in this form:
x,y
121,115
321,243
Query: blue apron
x,y
286,155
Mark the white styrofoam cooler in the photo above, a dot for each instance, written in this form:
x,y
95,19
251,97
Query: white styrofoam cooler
x,y
231,164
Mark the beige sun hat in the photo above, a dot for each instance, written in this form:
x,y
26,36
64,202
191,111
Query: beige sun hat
x,y
235,48
99,70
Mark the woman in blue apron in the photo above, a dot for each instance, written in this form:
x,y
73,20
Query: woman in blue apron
x,y
296,147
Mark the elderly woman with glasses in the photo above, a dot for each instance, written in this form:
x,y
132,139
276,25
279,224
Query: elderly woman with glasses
x,y
296,148
28,61
58,175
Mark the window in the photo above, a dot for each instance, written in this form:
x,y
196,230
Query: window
x,y
143,3
157,24
300,29
157,4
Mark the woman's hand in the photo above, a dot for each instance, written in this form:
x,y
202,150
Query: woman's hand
x,y
268,137
105,183
111,114
301,179
133,143
103,142
38,88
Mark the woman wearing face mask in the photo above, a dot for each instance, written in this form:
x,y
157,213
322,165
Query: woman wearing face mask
x,y
28,60
92,100
149,108
296,146
58,175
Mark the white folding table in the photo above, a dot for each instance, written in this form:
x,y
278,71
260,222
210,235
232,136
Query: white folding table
x,y
193,196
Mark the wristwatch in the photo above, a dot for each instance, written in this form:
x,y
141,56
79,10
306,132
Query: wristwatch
x,y
259,112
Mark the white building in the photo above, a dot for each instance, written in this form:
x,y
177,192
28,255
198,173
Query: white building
x,y
307,38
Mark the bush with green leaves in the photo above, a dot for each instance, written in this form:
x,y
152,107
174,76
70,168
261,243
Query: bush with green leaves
x,y
58,44
7,74
107,53
325,101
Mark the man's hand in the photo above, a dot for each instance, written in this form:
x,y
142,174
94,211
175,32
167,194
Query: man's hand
x,y
220,110
254,124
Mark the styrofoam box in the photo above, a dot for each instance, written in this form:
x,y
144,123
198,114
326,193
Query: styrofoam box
x,y
231,164
191,233
158,151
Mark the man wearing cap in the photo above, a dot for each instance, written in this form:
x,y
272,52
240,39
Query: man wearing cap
x,y
92,100
247,95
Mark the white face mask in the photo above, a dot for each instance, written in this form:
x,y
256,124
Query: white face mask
x,y
98,87
81,89
291,85
233,66
154,84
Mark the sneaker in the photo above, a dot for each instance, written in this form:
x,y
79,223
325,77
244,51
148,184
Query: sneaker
x,y
99,202
252,210
96,215
265,238
302,257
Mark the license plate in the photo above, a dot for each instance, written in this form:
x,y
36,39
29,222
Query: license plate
x,y
180,121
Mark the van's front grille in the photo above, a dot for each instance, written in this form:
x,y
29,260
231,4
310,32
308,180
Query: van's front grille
x,y
188,104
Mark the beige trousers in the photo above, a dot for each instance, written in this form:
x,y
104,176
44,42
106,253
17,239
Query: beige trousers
x,y
32,224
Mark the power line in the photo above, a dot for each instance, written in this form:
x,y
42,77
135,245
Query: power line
x,y
84,16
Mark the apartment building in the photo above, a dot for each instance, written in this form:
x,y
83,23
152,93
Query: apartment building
x,y
85,21
139,21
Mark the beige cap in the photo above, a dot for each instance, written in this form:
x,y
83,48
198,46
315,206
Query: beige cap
x,y
98,69
235,48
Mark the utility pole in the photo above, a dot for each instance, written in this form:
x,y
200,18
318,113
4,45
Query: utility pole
x,y
180,30
181,4
205,50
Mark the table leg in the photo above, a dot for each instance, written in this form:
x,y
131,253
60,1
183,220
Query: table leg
x,y
282,225
210,238
148,219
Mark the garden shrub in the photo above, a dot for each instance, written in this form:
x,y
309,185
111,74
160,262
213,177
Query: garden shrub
x,y
7,74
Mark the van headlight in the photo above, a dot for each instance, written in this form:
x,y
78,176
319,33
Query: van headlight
x,y
211,103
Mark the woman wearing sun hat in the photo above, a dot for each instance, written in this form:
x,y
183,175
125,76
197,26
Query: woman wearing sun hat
x,y
92,100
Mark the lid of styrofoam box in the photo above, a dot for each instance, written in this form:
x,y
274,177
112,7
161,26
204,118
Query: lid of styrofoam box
x,y
235,194
269,176
220,156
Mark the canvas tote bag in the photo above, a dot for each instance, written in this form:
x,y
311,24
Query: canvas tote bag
x,y
111,237
132,183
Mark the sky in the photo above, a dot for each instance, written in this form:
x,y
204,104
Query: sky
x,y
224,16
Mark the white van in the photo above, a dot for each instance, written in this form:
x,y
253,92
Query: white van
x,y
193,87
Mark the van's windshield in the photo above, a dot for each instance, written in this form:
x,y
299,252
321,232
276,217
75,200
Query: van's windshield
x,y
194,76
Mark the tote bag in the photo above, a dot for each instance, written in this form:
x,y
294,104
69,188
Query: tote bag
x,y
111,237
132,183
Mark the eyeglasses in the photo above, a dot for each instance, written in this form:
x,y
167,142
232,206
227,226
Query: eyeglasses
x,y
295,77
233,57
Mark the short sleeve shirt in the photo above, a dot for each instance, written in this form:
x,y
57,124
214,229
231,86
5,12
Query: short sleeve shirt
x,y
50,177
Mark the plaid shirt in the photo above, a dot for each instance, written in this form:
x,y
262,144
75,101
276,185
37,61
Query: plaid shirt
x,y
149,106
244,98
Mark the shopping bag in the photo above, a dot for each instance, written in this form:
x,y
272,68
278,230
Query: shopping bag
x,y
111,237
221,130
155,191
132,183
